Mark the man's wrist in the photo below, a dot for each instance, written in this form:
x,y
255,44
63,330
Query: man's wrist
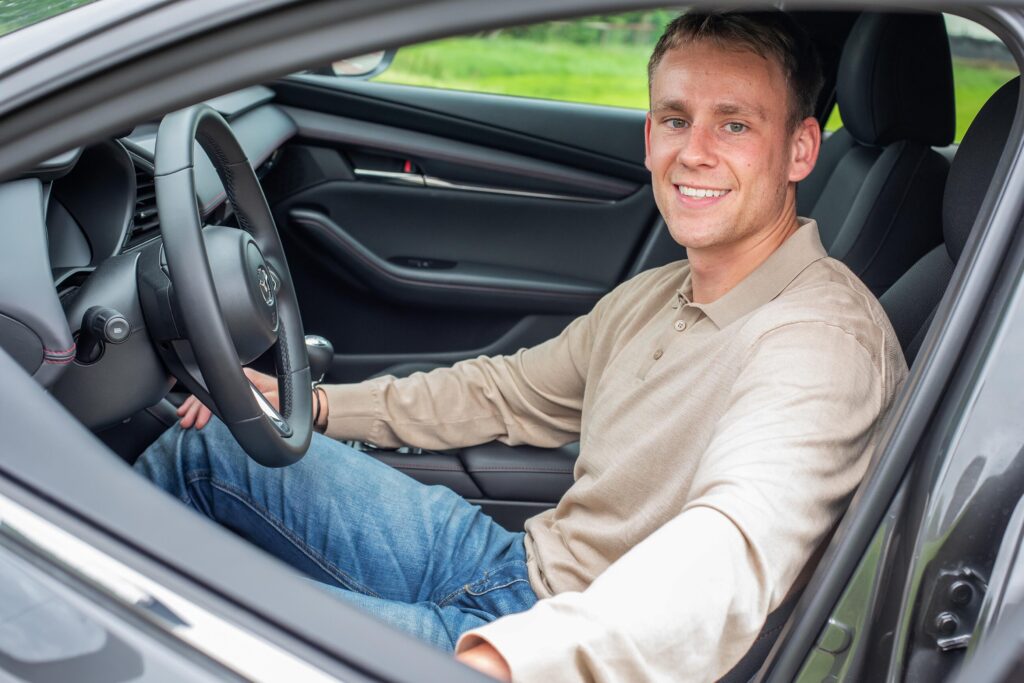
x,y
321,409
483,657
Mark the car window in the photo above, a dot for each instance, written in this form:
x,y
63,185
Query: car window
x,y
981,65
15,14
596,60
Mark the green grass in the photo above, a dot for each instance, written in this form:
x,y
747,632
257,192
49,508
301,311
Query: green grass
x,y
613,75
974,83
16,14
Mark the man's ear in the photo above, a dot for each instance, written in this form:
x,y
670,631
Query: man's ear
x,y
805,143
647,141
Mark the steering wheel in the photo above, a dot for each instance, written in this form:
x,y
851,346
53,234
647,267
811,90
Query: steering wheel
x,y
228,296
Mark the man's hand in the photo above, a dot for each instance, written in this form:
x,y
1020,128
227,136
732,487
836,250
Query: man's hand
x,y
485,659
194,414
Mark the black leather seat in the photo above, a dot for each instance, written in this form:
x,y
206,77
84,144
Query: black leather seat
x,y
875,189
912,300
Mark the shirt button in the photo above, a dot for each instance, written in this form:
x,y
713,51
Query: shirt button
x,y
658,354
680,325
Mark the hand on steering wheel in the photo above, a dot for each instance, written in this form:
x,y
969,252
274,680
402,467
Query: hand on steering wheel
x,y
194,413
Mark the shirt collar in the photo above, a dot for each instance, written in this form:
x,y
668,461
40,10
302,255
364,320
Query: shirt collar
x,y
768,280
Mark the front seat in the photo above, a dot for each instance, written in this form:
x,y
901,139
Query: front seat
x,y
912,300
875,189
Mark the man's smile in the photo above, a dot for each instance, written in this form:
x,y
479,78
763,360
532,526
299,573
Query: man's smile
x,y
692,195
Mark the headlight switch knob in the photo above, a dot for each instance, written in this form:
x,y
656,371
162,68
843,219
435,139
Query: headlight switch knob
x,y
100,325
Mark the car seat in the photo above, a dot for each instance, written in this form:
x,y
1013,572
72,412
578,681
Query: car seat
x,y
875,189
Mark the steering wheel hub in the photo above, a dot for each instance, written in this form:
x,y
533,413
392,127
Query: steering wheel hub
x,y
246,289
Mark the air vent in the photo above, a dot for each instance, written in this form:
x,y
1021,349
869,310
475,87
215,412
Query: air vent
x,y
145,222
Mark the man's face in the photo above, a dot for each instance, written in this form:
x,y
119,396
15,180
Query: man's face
x,y
720,146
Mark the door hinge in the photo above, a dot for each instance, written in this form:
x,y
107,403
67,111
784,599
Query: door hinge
x,y
954,606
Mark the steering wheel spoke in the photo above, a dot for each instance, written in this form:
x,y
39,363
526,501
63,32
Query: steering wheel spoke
x,y
272,414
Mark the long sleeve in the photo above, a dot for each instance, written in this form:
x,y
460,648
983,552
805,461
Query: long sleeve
x,y
686,602
533,397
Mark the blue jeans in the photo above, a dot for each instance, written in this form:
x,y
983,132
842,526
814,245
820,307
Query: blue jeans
x,y
418,557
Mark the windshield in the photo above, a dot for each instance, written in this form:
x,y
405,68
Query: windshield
x,y
15,14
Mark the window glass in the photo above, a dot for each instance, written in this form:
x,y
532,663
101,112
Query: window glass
x,y
596,60
15,14
981,64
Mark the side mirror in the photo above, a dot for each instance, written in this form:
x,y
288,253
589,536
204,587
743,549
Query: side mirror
x,y
362,67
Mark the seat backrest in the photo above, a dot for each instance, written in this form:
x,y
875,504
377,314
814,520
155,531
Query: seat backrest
x,y
911,301
876,187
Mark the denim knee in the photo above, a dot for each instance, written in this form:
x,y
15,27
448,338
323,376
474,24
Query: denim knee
x,y
179,455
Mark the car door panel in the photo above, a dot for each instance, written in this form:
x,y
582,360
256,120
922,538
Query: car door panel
x,y
465,161
605,139
480,250
440,282
561,243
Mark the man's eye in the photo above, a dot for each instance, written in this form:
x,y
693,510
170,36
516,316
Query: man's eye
x,y
735,127
676,123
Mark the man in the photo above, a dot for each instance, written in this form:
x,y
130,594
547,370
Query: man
x,y
725,408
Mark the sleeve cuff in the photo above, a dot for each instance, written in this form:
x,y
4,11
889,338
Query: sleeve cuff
x,y
541,644
354,411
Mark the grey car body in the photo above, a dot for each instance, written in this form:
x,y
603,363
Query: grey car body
x,y
121,584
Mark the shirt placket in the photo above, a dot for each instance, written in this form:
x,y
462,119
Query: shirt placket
x,y
680,323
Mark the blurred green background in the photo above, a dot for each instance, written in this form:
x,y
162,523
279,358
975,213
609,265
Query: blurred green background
x,y
603,60
15,14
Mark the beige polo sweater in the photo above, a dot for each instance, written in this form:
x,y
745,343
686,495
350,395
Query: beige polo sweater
x,y
718,445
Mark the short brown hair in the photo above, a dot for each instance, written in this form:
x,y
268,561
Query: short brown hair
x,y
769,34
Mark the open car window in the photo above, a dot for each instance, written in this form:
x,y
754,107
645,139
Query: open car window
x,y
599,59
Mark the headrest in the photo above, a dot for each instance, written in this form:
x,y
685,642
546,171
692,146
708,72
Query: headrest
x,y
975,164
895,80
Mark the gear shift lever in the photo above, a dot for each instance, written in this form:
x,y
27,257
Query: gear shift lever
x,y
321,352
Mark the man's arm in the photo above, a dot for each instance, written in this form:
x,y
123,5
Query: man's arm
x,y
533,396
687,602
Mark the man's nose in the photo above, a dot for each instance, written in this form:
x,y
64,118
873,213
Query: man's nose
x,y
698,148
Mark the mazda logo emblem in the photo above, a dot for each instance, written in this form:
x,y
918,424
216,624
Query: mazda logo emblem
x,y
263,281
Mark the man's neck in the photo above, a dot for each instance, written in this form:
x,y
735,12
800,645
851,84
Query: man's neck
x,y
716,270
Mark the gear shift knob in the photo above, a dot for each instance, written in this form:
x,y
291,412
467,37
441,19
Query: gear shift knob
x,y
320,351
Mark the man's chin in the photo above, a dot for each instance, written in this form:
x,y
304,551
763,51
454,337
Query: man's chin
x,y
696,237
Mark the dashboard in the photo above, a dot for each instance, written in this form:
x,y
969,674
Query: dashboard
x,y
104,201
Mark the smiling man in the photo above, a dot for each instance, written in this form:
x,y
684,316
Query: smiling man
x,y
729,134
725,407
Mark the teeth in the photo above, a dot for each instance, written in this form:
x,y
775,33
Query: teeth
x,y
699,193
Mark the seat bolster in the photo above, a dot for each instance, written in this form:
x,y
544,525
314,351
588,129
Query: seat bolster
x,y
833,149
911,301
902,221
844,192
